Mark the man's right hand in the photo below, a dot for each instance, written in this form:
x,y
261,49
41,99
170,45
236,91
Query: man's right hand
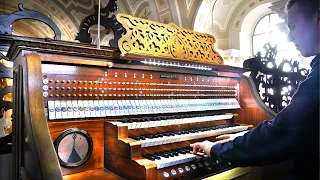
x,y
228,137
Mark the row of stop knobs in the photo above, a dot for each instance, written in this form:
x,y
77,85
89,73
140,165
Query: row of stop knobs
x,y
74,88
79,95
73,81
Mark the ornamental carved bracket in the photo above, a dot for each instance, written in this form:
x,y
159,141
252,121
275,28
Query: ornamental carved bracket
x,y
166,40
6,21
276,84
107,20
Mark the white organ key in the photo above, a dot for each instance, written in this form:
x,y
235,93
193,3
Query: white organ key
x,y
196,105
145,107
222,101
69,109
183,105
113,107
163,106
102,108
130,106
236,103
125,107
211,104
75,106
202,104
107,108
81,109
96,108
191,105
168,106
86,106
171,161
207,102
51,110
92,109
175,105
136,107
120,108
142,106
64,112
159,105
133,106
215,105
151,106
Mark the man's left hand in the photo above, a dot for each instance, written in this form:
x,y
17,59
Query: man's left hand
x,y
204,147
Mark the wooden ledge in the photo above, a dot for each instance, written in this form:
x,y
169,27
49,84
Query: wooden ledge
x,y
101,174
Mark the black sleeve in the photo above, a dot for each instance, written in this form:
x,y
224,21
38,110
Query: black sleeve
x,y
293,132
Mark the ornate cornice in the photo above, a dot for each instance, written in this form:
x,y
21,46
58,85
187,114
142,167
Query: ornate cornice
x,y
62,48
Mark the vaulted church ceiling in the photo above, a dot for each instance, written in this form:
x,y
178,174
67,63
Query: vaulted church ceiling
x,y
198,15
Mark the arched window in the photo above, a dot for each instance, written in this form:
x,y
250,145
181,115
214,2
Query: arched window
x,y
272,29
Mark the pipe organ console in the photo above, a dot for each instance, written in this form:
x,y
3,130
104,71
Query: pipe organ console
x,y
86,113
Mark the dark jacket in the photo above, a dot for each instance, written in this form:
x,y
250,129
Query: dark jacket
x,y
292,135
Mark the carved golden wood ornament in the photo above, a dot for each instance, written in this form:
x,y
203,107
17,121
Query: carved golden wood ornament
x,y
146,37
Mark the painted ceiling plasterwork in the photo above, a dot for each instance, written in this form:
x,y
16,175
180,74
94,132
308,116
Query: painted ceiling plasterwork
x,y
246,9
225,17
226,14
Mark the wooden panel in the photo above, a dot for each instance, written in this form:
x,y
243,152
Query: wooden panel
x,y
128,168
67,82
34,143
114,131
99,174
125,146
241,173
253,110
96,131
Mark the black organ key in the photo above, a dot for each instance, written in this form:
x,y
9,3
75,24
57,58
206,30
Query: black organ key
x,y
156,156
149,136
149,156
162,154
135,138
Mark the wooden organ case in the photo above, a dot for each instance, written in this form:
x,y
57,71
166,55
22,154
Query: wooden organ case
x,y
133,113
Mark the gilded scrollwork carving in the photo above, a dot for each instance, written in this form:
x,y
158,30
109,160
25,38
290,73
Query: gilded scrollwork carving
x,y
166,40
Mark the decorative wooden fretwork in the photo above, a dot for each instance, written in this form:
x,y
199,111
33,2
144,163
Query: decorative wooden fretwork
x,y
6,21
150,38
275,84
108,21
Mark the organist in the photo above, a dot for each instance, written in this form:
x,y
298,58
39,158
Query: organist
x,y
294,132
